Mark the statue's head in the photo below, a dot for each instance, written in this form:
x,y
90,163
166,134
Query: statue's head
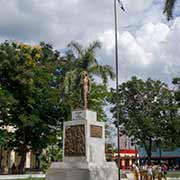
x,y
85,74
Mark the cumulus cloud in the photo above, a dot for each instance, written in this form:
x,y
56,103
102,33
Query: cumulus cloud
x,y
139,6
132,52
152,51
59,22
147,42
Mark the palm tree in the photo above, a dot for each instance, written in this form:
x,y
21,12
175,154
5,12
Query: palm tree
x,y
86,60
80,59
168,9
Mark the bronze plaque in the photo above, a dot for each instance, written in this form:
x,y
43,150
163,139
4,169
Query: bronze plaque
x,y
96,131
75,141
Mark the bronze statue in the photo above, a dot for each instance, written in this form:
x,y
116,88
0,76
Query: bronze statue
x,y
85,88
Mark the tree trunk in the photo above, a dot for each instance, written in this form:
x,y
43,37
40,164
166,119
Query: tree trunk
x,y
37,164
1,149
149,153
159,152
23,160
37,161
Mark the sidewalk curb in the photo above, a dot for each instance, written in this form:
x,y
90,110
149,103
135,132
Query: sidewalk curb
x,y
21,176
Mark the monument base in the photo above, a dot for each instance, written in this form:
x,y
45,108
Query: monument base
x,y
82,171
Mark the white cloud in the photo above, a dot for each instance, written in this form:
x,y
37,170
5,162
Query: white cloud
x,y
172,49
151,51
139,5
131,51
148,45
173,39
106,38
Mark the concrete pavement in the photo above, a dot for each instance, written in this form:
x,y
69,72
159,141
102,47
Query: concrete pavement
x,y
21,176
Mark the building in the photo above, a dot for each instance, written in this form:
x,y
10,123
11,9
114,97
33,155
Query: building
x,y
128,153
127,157
170,156
10,160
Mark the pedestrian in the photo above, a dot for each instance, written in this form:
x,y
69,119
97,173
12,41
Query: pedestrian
x,y
149,172
135,171
164,171
154,171
159,172
143,173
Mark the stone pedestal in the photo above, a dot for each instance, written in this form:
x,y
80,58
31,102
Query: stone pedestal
x,y
83,151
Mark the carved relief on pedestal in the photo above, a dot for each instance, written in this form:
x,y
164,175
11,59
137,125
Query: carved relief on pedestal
x,y
96,131
75,141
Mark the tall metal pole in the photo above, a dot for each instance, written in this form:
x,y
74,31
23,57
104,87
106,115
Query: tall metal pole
x,y
117,83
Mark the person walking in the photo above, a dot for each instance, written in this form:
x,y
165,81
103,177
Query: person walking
x,y
135,171
159,172
149,172
164,171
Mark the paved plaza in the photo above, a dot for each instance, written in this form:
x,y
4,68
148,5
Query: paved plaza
x,y
25,176
130,177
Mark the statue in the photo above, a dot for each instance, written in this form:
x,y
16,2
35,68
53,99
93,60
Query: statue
x,y
85,88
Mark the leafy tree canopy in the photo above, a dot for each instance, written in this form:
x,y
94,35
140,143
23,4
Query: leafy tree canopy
x,y
31,104
148,111
38,90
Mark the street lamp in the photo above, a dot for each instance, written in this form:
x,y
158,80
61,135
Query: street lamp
x,y
117,80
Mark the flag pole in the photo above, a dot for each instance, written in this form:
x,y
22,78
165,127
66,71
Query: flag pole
x,y
117,83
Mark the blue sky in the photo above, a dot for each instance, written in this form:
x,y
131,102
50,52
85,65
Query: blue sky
x,y
148,44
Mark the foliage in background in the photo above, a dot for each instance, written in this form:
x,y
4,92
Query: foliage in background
x,y
168,8
77,60
38,90
26,76
53,153
148,112
175,130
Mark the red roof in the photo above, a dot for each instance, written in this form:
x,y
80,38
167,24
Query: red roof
x,y
128,151
124,151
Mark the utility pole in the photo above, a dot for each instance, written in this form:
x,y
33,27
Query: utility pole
x,y
117,81
117,84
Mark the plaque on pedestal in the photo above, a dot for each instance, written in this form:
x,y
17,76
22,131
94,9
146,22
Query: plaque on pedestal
x,y
96,131
86,115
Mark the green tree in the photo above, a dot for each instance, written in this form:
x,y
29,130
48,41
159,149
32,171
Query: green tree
x,y
6,103
53,152
168,8
38,90
174,126
27,75
146,111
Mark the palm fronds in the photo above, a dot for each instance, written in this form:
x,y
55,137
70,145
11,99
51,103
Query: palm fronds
x,y
168,9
